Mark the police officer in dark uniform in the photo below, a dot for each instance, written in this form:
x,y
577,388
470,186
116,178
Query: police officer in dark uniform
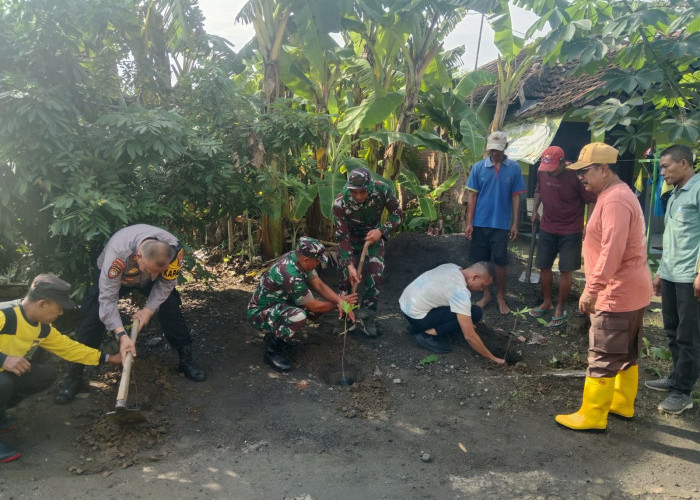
x,y
283,299
148,259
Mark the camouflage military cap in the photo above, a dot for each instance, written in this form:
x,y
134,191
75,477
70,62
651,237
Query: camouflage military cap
x,y
359,178
313,248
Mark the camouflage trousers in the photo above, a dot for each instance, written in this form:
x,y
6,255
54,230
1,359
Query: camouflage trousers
x,y
372,273
281,319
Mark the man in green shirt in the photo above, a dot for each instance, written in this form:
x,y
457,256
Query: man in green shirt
x,y
678,278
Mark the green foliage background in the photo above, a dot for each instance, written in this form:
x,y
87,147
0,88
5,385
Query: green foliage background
x,y
116,112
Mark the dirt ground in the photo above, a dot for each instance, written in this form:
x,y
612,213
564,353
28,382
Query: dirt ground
x,y
457,427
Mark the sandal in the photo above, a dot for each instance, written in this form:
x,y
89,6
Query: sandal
x,y
558,321
536,312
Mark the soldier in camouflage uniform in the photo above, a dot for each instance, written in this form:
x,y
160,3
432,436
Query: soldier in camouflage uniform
x,y
357,218
283,299
148,259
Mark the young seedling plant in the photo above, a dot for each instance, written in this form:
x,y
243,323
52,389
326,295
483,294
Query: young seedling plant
x,y
428,360
347,307
518,314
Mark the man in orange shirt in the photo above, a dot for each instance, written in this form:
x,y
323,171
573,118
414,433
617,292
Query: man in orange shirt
x,y
618,289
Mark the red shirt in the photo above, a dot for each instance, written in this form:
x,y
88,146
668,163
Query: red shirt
x,y
563,201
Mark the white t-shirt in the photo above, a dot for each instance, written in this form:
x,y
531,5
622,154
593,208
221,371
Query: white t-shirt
x,y
443,286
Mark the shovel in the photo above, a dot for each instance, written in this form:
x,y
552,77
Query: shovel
x,y
362,263
528,276
363,255
122,413
347,381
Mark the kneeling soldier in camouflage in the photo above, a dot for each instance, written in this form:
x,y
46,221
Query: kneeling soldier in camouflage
x,y
283,299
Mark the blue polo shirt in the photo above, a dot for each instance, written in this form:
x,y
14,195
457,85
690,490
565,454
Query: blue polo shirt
x,y
496,188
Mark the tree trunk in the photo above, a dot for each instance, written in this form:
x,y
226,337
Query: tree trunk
x,y
392,157
271,84
272,234
231,238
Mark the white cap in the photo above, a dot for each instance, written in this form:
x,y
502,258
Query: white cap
x,y
497,140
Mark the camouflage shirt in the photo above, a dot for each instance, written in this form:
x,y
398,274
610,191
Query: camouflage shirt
x,y
352,221
285,282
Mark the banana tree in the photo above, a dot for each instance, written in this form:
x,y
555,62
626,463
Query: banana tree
x,y
269,19
427,198
513,69
449,111
427,23
312,67
372,99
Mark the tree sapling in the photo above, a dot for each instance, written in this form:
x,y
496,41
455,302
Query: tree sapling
x,y
347,307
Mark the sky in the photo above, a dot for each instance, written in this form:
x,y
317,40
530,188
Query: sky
x,y
220,18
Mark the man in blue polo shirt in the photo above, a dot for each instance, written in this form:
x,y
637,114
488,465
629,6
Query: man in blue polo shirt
x,y
495,185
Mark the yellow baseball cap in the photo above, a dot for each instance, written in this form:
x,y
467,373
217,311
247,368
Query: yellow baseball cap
x,y
596,152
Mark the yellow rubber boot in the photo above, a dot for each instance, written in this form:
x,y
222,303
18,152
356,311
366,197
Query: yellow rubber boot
x,y
593,414
626,383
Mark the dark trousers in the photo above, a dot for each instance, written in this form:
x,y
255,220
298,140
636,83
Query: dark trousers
x,y
170,317
443,320
681,315
14,389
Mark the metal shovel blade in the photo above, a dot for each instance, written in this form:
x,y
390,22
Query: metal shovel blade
x,y
127,416
534,277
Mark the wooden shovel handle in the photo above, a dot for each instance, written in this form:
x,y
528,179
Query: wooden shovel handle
x,y
361,264
532,253
123,391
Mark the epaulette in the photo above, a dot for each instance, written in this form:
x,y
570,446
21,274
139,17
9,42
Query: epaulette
x,y
173,270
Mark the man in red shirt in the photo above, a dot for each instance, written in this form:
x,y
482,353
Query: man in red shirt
x,y
563,200
618,289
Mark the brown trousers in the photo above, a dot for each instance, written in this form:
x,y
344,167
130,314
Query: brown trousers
x,y
614,341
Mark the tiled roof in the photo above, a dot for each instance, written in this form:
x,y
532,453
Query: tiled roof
x,y
549,89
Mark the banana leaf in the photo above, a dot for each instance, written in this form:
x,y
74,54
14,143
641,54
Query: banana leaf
x,y
303,200
328,189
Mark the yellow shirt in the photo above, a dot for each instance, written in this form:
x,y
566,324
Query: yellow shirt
x,y
18,336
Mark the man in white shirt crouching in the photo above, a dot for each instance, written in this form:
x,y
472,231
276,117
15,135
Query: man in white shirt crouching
x,y
438,303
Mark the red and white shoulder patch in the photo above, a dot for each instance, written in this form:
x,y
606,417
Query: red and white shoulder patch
x,y
116,268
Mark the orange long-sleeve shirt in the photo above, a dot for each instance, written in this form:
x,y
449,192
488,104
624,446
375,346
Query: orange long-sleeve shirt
x,y
614,252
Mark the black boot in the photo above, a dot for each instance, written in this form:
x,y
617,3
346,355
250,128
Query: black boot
x,y
365,322
273,353
70,385
369,324
188,366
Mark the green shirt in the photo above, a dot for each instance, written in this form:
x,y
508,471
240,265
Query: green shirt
x,y
681,252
